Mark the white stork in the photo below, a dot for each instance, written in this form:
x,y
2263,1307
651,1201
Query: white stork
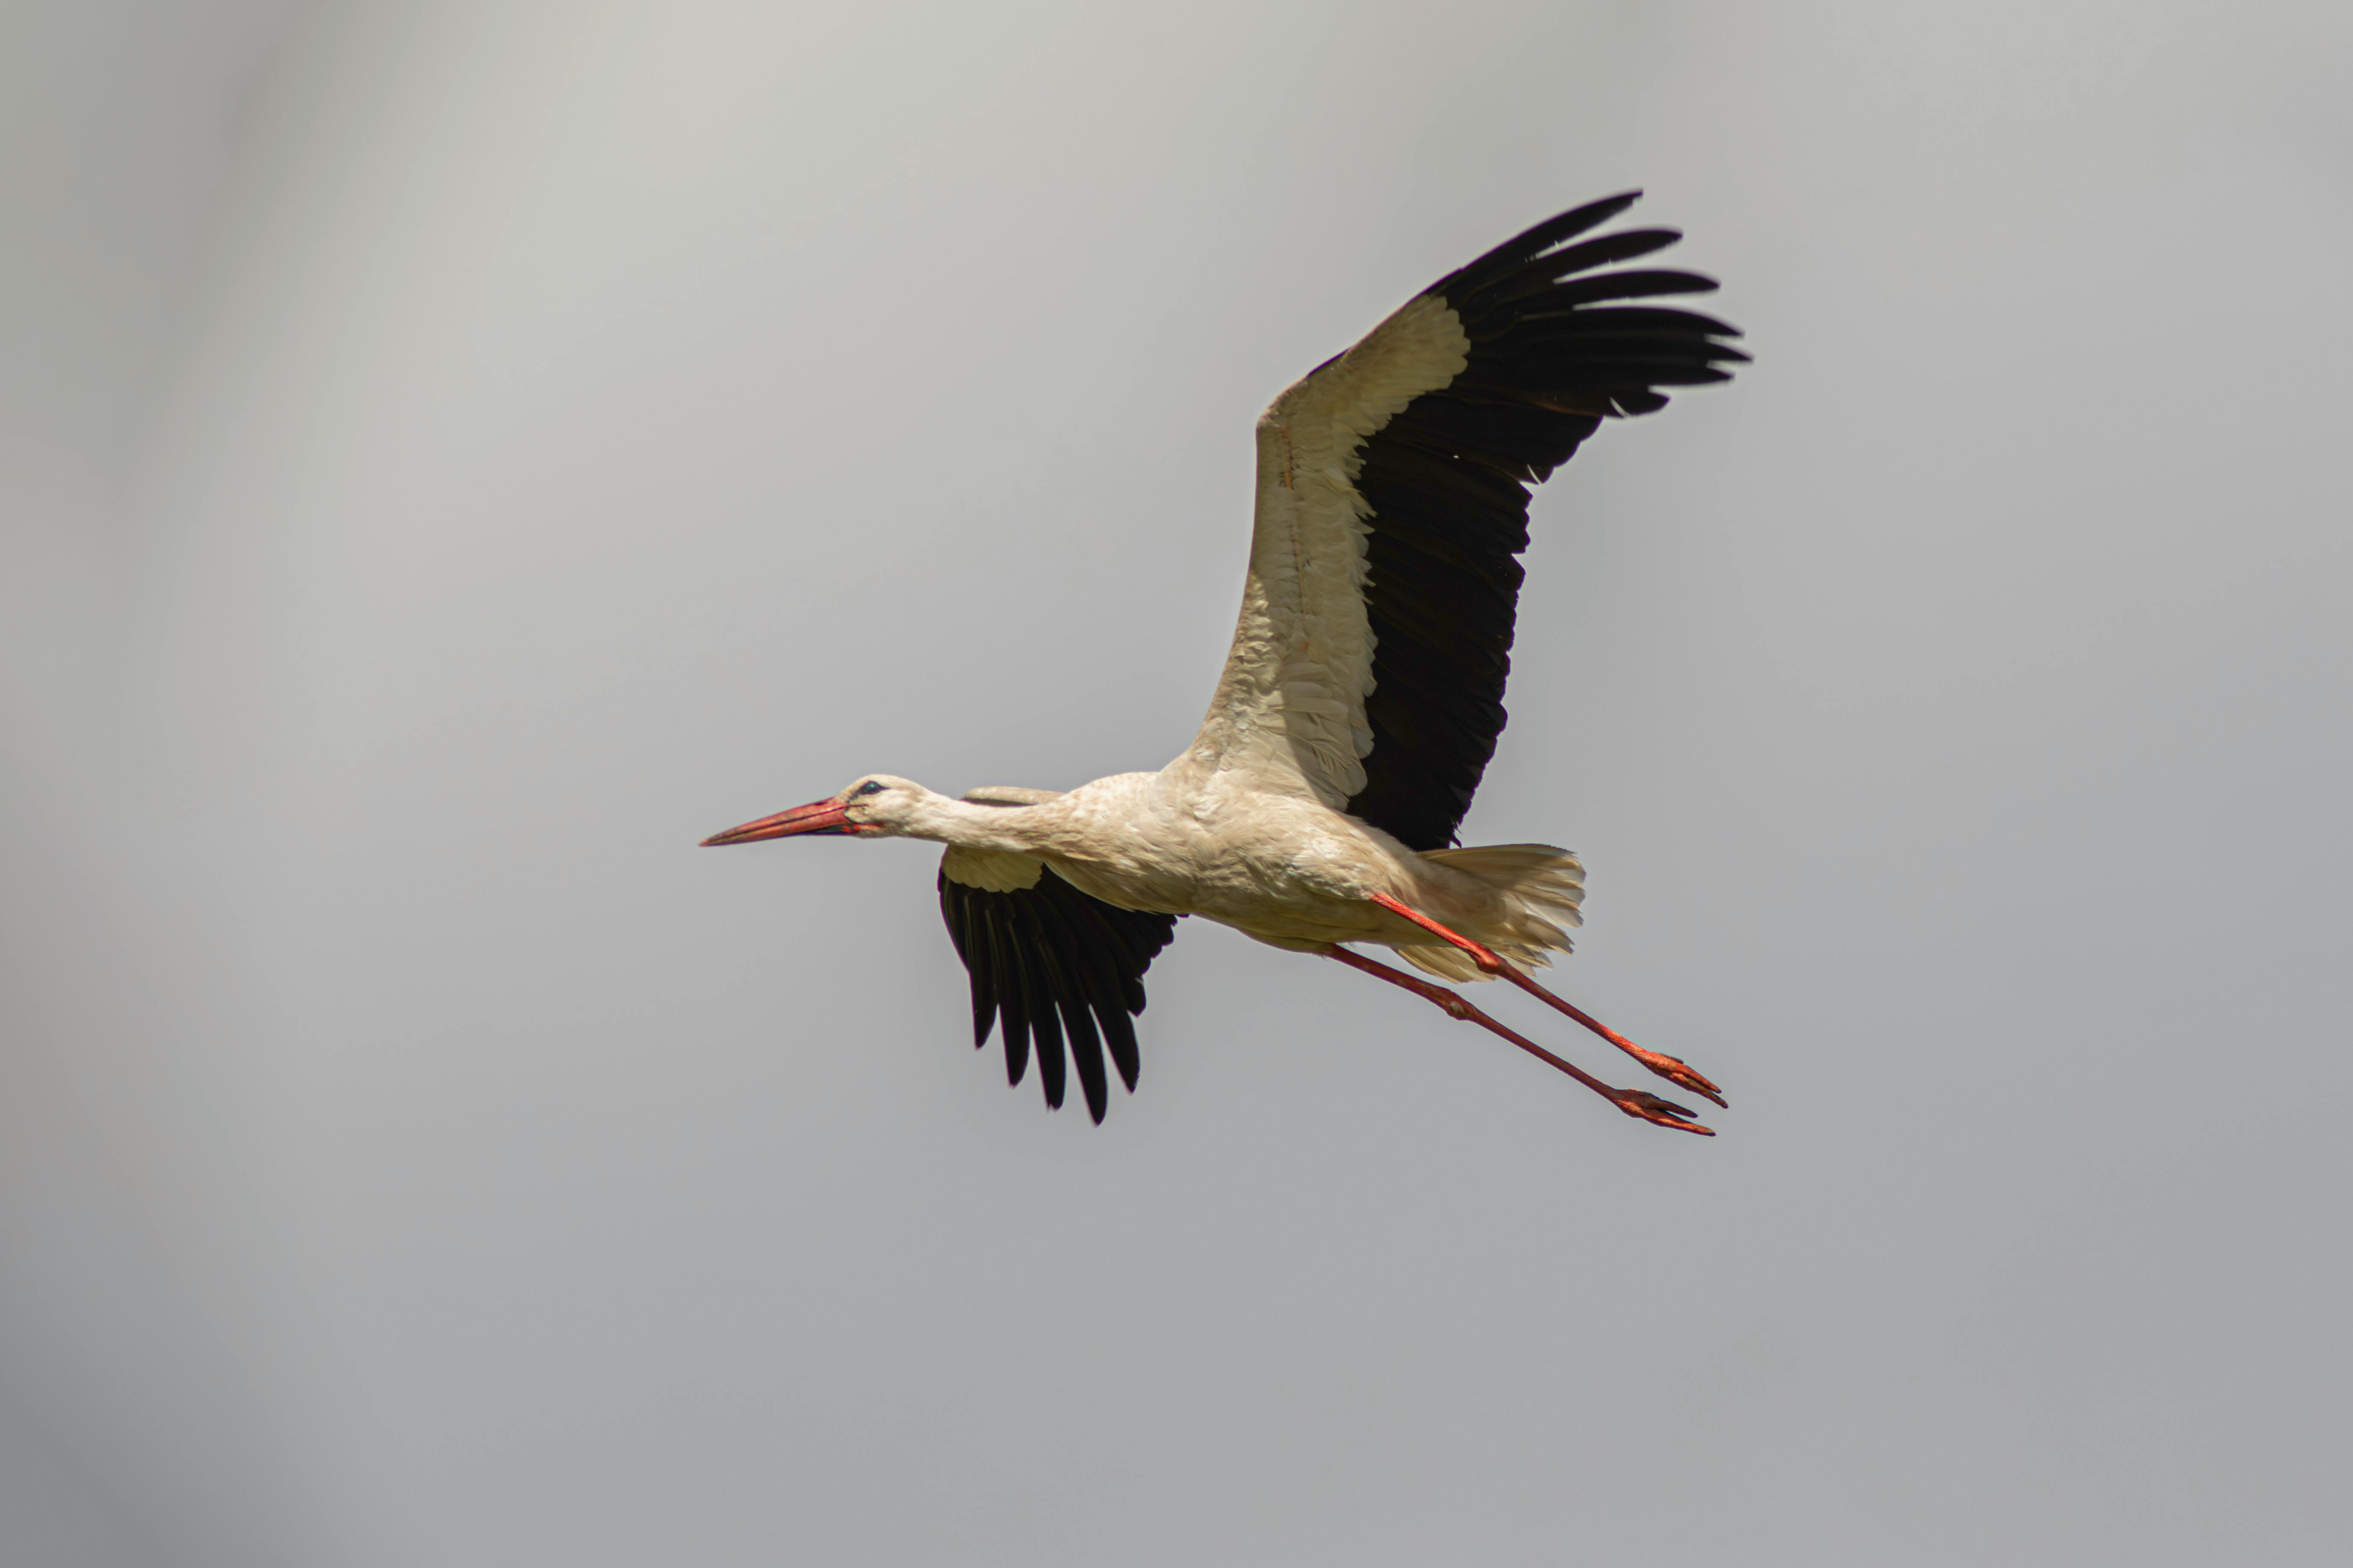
x,y
1362,698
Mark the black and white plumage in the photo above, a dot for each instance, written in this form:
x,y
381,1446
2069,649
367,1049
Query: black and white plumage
x,y
1414,452
1361,700
1552,355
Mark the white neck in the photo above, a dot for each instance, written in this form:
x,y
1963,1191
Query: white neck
x,y
1017,829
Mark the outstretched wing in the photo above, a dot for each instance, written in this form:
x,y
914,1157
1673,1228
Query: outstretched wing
x,y
1050,964
1375,632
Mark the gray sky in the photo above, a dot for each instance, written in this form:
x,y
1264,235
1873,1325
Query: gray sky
x,y
453,456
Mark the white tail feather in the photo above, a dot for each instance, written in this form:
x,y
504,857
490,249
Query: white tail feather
x,y
1540,887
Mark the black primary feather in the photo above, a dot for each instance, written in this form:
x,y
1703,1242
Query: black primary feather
x,y
1447,480
1049,966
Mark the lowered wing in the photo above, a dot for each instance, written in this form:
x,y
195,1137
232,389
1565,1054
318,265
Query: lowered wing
x,y
1049,965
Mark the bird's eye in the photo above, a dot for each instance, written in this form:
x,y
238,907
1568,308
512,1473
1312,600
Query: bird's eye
x,y
872,787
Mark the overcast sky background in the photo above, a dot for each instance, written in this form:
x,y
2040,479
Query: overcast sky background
x,y
454,456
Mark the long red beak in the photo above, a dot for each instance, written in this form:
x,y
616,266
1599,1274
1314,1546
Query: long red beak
x,y
816,816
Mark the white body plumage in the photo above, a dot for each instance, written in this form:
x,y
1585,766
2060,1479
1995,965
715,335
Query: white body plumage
x,y
1196,839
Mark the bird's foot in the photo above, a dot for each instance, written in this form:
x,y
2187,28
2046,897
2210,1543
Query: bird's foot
x,y
1659,1112
1676,1071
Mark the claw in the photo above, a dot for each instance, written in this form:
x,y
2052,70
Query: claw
x,y
1680,1073
1659,1112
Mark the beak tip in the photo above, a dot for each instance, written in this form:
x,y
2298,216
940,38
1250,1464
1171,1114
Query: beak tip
x,y
820,817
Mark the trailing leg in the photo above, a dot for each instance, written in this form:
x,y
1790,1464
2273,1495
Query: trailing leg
x,y
1675,1069
1634,1102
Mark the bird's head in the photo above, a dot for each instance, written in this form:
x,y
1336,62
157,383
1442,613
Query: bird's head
x,y
875,806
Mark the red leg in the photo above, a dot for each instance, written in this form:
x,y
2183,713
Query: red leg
x,y
1634,1102
1673,1069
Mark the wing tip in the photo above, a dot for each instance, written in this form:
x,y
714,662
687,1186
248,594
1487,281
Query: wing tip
x,y
1537,238
1058,973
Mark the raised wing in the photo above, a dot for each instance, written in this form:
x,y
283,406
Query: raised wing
x,y
1050,964
1376,631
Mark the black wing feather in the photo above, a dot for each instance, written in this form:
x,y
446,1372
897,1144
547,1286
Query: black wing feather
x,y
1090,952
1053,966
1551,356
1045,1030
1011,1001
1553,231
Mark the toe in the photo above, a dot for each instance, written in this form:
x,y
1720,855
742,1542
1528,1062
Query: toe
x,y
1682,1075
1661,1112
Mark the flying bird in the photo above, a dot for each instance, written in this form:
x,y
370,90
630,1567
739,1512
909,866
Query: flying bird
x,y
1318,808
